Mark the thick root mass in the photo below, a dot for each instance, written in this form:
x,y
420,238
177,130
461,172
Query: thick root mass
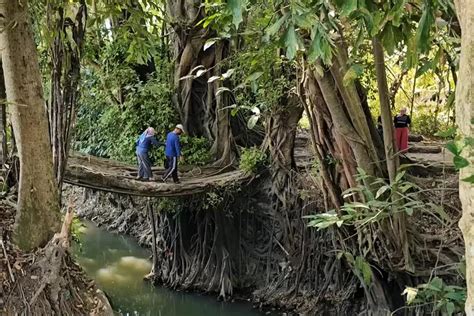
x,y
45,282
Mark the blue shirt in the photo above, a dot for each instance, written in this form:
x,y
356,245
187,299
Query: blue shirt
x,y
173,146
144,144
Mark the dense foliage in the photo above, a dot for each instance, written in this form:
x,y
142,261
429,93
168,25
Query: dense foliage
x,y
259,62
124,92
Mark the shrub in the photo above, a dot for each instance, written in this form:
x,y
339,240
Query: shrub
x,y
443,298
196,150
252,159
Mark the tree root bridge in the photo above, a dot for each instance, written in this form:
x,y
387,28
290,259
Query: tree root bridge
x,y
113,176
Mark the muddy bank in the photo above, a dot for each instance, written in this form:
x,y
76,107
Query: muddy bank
x,y
119,213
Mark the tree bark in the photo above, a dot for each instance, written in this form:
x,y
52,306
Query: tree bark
x,y
465,121
3,120
38,204
361,146
199,107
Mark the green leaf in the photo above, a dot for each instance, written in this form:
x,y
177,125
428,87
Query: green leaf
x,y
449,133
291,43
424,26
469,179
305,21
399,176
254,76
460,162
450,308
381,191
436,284
453,148
320,46
388,38
362,265
427,65
348,7
398,10
235,7
412,53
275,27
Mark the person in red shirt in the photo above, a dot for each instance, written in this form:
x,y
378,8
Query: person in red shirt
x,y
402,122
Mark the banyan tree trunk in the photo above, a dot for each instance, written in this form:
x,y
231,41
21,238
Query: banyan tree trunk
x,y
342,141
38,214
202,111
281,133
65,52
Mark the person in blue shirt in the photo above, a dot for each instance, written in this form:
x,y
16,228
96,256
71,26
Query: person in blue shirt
x,y
143,145
173,152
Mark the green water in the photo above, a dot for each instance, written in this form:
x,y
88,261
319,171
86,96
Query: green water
x,y
118,265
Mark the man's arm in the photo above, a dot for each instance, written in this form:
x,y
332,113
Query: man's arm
x,y
177,146
155,142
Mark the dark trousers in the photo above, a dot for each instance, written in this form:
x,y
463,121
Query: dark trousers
x,y
171,168
144,166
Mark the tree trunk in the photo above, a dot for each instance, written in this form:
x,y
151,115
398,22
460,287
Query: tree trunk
x,y
386,114
65,74
38,204
465,121
196,100
3,120
399,225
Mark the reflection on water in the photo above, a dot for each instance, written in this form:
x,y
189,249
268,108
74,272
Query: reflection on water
x,y
118,265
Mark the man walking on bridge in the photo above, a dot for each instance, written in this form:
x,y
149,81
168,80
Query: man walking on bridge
x,y
143,146
173,152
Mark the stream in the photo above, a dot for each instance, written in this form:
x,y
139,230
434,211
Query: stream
x,y
117,264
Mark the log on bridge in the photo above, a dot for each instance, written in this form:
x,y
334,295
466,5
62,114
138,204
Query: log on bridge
x,y
113,176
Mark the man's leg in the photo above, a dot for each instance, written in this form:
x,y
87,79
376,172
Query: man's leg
x,y
140,167
171,167
175,171
147,166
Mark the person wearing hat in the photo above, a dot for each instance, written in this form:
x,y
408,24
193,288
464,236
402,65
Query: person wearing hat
x,y
173,153
143,145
